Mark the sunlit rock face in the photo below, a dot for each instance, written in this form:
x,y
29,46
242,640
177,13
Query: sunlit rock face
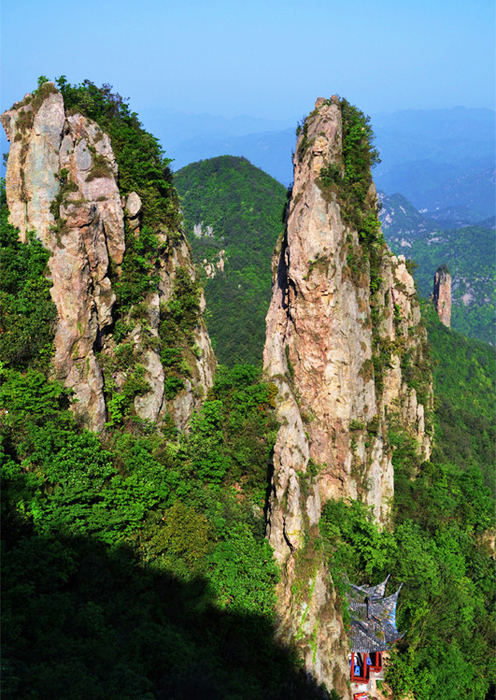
x,y
334,412
442,295
62,183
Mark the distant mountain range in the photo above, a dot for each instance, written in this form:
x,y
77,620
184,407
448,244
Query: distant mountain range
x,y
439,159
442,160
188,138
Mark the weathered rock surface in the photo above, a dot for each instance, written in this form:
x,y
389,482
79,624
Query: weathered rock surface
x,y
133,211
61,182
81,225
320,343
442,295
215,266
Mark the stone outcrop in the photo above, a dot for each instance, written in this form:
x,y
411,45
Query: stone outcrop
x,y
62,183
442,295
212,267
337,360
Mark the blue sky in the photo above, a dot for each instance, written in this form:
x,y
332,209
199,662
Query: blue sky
x,y
263,58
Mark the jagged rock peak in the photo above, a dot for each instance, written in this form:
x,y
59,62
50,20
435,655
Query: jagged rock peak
x,y
343,317
442,295
62,183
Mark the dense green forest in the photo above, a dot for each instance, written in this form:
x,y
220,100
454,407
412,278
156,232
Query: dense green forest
x,y
464,386
245,209
135,563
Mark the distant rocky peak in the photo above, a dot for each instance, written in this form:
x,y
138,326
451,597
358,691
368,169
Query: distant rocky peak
x,y
442,294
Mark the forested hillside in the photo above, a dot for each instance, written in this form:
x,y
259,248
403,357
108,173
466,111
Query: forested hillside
x,y
464,383
134,561
464,372
238,213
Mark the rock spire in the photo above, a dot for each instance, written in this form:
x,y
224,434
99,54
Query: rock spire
x,y
342,319
442,294
62,183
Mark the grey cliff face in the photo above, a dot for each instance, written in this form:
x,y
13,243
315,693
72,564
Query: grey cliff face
x,y
61,182
319,351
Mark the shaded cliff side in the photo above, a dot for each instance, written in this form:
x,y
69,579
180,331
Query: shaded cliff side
x,y
347,350
130,339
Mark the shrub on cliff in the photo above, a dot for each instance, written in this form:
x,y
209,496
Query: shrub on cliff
x,y
140,553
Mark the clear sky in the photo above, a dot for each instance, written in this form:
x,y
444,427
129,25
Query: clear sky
x,y
265,58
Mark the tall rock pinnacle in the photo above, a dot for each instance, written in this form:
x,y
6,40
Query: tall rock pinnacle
x,y
62,183
342,319
442,295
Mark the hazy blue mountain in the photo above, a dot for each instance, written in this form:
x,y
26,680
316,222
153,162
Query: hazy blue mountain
x,y
439,135
441,160
188,138
459,191
271,151
175,128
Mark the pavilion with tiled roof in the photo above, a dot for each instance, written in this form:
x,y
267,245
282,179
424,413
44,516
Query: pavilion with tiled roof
x,y
373,618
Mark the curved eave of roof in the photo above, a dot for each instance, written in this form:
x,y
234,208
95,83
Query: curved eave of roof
x,y
373,623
